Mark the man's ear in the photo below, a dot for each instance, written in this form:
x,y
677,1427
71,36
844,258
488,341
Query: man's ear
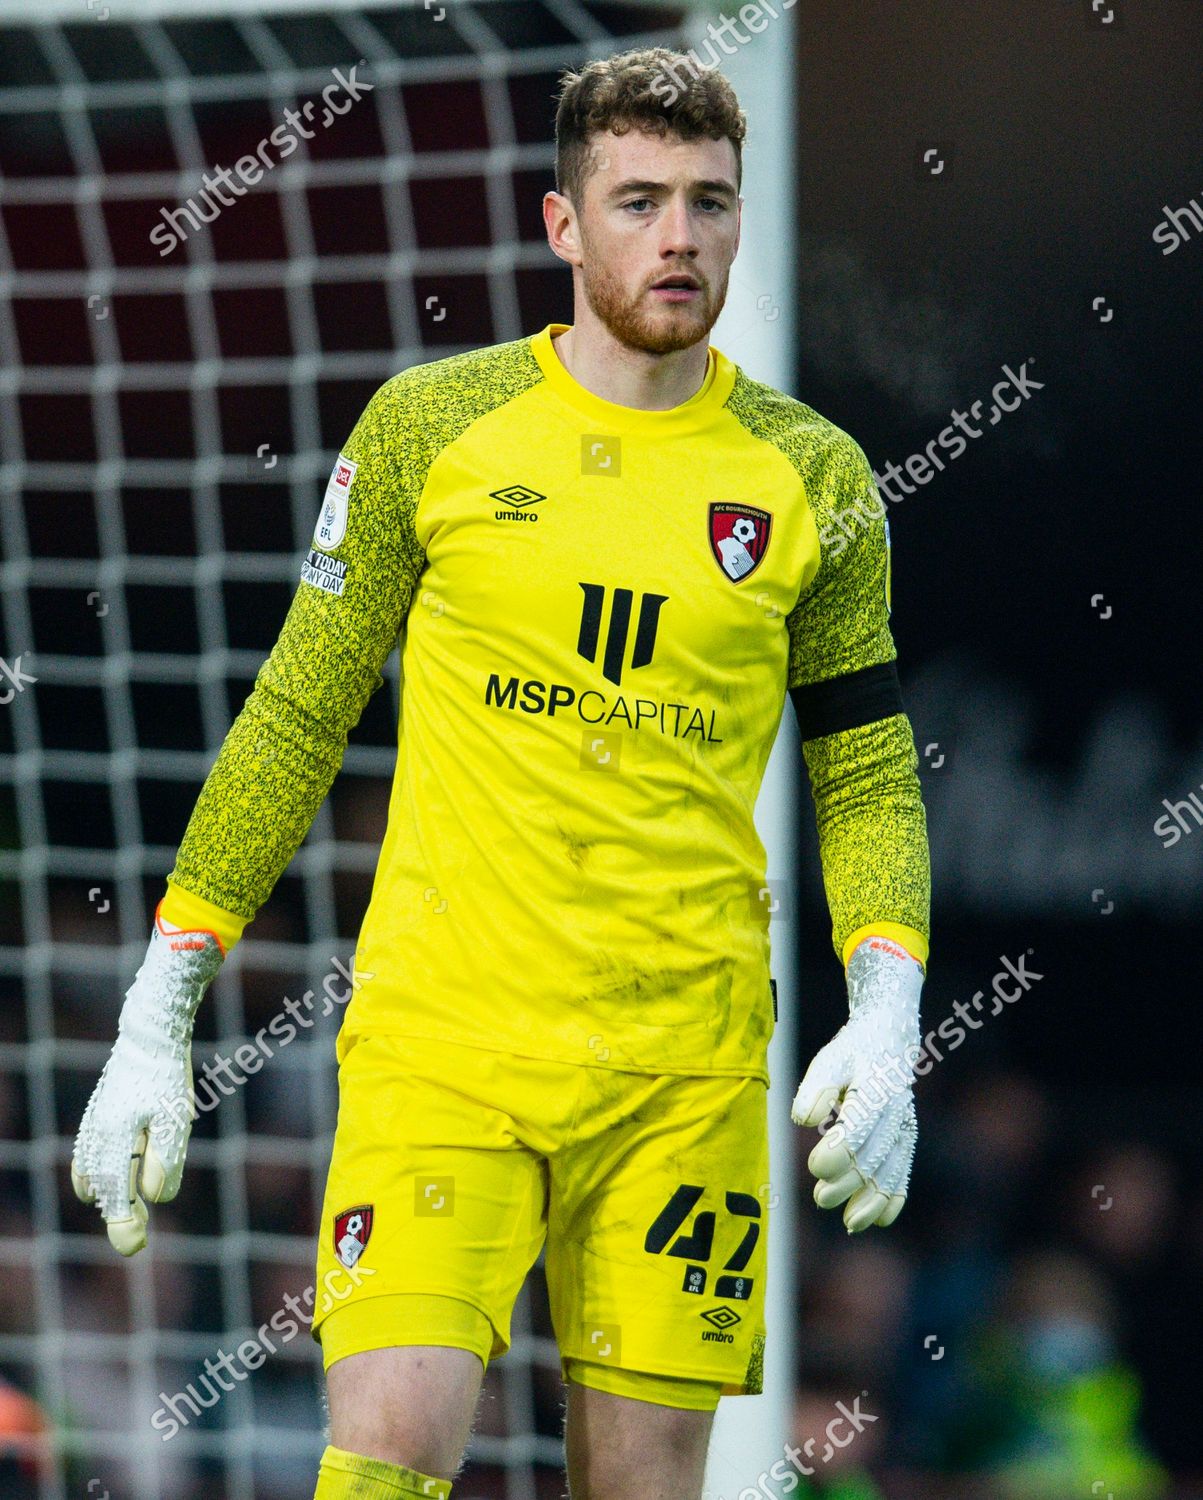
x,y
563,235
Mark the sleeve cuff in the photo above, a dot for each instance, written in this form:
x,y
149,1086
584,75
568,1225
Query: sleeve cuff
x,y
906,937
195,914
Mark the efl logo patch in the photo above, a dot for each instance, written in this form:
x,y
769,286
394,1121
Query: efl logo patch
x,y
352,1230
326,573
332,518
739,537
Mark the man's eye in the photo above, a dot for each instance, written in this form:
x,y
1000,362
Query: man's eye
x,y
715,203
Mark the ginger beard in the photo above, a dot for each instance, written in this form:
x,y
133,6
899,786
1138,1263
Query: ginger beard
x,y
642,321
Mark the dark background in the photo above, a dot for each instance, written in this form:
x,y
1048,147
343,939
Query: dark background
x,y
1061,731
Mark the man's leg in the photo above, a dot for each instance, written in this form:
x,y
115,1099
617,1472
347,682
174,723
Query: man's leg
x,y
411,1405
655,1273
622,1449
433,1214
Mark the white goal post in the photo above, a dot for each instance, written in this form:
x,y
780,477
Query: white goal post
x,y
757,329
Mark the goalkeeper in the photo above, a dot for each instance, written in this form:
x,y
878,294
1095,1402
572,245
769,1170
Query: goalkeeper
x,y
609,556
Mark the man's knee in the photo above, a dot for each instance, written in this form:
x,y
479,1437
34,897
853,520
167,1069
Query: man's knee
x,y
619,1446
410,1405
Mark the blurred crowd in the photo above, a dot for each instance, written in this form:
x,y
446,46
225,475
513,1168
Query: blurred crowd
x,y
1028,1326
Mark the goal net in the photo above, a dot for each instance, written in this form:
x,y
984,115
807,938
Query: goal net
x,y
168,415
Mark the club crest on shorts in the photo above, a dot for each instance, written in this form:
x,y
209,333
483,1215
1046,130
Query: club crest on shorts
x,y
739,537
352,1230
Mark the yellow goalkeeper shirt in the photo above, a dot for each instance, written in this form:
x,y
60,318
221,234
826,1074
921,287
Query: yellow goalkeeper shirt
x,y
600,610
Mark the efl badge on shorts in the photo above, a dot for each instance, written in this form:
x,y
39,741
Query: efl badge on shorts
x,y
739,535
352,1230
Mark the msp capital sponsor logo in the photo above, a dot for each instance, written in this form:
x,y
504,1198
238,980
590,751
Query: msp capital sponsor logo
x,y
630,620
515,497
352,1230
739,538
621,607
673,720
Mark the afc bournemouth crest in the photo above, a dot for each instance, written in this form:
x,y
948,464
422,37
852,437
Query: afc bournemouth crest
x,y
352,1229
739,535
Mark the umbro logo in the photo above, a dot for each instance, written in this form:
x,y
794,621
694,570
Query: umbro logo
x,y
721,1319
516,494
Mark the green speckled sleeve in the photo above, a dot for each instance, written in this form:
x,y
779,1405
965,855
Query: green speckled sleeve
x,y
841,621
872,828
865,781
285,747
871,823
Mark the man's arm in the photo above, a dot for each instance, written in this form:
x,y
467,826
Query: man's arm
x,y
872,834
857,741
257,803
860,756
285,747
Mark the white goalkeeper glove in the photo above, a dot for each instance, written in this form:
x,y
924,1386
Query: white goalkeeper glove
x,y
867,1070
134,1133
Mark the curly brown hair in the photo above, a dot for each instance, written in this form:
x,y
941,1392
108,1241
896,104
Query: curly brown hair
x,y
650,88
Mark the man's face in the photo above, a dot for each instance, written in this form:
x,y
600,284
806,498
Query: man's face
x,y
654,208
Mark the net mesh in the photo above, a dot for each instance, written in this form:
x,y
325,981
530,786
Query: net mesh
x,y
166,424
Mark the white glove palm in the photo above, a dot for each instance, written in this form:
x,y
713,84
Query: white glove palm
x,y
133,1137
867,1070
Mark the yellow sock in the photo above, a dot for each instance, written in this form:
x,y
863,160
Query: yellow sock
x,y
350,1476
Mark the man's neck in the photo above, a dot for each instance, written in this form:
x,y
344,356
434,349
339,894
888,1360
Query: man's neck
x,y
627,377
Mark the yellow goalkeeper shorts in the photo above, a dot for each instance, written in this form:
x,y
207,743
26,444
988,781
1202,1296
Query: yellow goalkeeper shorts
x,y
452,1166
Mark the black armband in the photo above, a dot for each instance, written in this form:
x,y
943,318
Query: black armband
x,y
849,701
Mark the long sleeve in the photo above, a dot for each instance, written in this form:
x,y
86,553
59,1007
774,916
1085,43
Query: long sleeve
x,y
857,742
872,833
286,745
